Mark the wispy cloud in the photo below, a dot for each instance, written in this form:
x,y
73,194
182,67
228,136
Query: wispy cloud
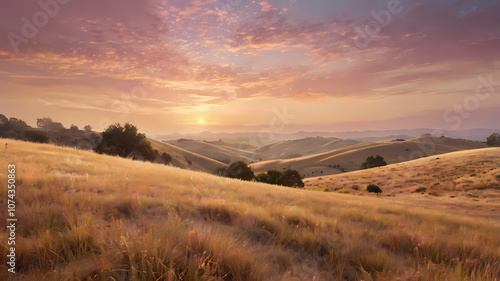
x,y
203,55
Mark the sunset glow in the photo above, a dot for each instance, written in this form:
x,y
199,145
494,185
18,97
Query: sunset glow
x,y
332,65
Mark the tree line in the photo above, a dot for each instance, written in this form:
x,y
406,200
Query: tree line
x,y
240,170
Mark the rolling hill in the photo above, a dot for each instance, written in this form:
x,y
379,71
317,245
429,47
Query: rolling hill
x,y
350,158
225,152
220,151
84,216
182,158
303,147
469,173
456,181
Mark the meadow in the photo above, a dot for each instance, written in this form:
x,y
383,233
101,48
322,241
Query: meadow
x,y
84,216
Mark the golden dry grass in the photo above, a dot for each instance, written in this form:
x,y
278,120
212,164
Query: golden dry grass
x,y
304,147
83,216
181,158
221,151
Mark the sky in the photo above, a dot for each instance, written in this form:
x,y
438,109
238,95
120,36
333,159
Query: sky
x,y
240,65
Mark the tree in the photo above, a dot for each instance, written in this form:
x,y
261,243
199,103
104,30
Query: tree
x,y
123,140
37,136
274,176
3,120
166,158
73,128
263,177
289,178
372,162
373,189
47,123
15,128
43,122
88,128
239,170
493,140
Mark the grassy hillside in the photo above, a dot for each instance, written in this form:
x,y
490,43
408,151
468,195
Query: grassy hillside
x,y
462,173
304,147
350,158
181,158
227,153
220,151
83,216
466,182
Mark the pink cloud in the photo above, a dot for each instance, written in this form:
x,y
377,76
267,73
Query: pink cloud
x,y
266,6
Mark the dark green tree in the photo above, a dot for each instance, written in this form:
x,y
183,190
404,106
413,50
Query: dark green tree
x,y
239,170
15,128
263,177
166,158
373,189
274,176
47,123
493,140
289,178
123,140
37,136
372,162
3,120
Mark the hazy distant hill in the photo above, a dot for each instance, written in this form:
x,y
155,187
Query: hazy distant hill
x,y
350,158
182,158
303,147
220,151
257,139
226,153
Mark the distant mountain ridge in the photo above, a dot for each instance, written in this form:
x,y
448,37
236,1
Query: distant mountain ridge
x,y
261,139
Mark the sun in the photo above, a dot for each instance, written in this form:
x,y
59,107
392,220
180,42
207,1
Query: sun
x,y
201,121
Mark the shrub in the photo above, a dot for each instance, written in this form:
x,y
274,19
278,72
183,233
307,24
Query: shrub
x,y
372,162
421,190
322,189
344,191
373,189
